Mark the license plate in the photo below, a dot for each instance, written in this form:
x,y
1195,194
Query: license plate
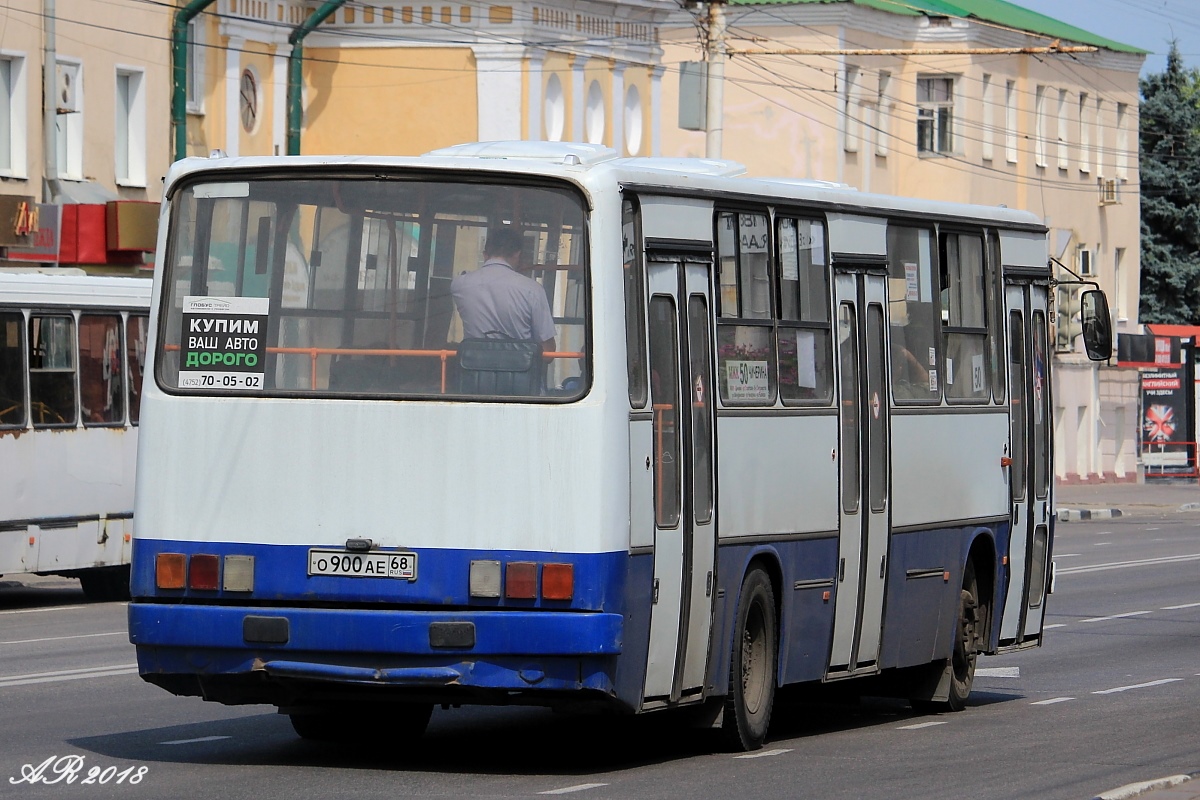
x,y
363,565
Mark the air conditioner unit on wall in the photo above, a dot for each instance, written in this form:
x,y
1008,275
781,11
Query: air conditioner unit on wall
x,y
66,95
1108,191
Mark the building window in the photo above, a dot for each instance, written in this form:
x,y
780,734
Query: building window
x,y
1098,124
1039,127
593,116
633,121
68,122
1122,154
130,143
554,111
195,67
850,110
989,119
883,114
248,100
1085,142
1064,156
12,116
935,115
1010,122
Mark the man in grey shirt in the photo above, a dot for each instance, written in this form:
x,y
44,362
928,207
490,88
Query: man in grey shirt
x,y
497,301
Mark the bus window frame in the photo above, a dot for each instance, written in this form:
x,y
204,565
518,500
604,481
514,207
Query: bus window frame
x,y
948,330
777,217
769,322
935,290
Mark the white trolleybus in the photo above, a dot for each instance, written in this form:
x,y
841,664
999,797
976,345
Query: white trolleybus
x,y
72,352
785,432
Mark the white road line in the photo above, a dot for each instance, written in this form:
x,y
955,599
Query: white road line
x,y
1051,701
1067,555
1138,686
579,788
1144,562
765,753
1055,625
61,638
195,741
998,672
1117,616
35,610
1152,529
1176,608
1100,544
68,675
919,725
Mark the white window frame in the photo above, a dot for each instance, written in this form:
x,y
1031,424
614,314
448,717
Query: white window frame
x,y
15,160
195,66
1010,122
851,101
1097,123
1039,127
1122,154
69,128
942,114
883,113
1064,131
988,144
1085,143
131,140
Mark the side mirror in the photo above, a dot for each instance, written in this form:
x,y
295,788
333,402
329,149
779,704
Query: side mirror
x,y
1097,325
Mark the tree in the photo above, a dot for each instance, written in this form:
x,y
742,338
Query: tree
x,y
1169,136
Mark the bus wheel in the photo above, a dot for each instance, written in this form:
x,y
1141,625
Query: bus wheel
x,y
966,642
752,666
390,724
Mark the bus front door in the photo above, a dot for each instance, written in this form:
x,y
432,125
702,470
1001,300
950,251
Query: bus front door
x,y
1029,476
863,473
680,333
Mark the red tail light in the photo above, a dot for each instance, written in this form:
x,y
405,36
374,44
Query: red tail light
x,y
205,572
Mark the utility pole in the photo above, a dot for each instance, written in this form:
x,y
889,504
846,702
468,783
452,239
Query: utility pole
x,y
715,84
49,104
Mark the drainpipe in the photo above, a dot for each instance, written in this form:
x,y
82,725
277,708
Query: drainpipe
x,y
295,71
179,59
49,106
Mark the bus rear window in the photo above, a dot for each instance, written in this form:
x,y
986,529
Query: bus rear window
x,y
376,287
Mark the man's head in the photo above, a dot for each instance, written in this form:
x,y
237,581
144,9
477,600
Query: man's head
x,y
504,243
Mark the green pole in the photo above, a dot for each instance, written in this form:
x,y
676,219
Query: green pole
x,y
295,71
179,59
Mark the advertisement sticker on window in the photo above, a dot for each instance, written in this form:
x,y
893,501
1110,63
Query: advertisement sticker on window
x,y
747,380
223,343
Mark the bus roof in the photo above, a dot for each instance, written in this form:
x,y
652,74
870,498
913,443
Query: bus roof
x,y
593,166
101,291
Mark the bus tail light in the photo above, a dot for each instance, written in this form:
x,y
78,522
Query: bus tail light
x,y
239,574
204,572
520,580
170,570
558,581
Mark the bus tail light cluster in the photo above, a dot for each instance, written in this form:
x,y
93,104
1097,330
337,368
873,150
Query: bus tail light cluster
x,y
518,580
204,572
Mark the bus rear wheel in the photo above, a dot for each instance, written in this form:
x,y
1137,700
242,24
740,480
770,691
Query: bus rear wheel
x,y
386,724
958,673
752,666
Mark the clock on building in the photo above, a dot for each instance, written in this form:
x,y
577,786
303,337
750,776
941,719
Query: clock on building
x,y
248,102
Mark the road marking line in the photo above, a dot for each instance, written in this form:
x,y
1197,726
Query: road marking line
x,y
919,725
68,675
579,788
1138,686
201,739
1051,701
998,672
765,753
1100,544
35,610
1176,608
1130,790
1117,616
1055,625
1145,562
1067,555
1152,529
61,638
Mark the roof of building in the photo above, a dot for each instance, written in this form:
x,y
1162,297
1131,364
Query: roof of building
x,y
997,12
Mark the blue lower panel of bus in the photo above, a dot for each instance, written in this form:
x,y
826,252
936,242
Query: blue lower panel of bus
x,y
505,650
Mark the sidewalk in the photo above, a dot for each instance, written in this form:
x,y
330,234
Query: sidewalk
x,y
1105,500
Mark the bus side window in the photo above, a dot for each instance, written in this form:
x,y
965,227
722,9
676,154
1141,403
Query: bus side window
x,y
52,370
12,370
746,372
101,388
912,316
964,318
635,319
995,307
803,337
135,361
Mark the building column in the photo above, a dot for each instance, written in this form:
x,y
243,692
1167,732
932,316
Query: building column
x,y
656,74
233,82
618,108
498,82
535,79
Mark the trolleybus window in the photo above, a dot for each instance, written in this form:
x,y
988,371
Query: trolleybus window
x,y
805,368
964,318
664,394
342,285
102,395
635,321
745,350
52,370
850,458
1020,413
995,307
1040,410
913,315
135,361
12,370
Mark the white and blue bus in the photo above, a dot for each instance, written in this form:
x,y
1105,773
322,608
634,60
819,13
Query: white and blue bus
x,y
789,433
72,352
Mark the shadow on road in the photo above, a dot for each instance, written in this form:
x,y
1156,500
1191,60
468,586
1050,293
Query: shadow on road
x,y
34,591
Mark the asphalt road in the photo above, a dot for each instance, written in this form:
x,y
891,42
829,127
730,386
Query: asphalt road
x,y
1113,698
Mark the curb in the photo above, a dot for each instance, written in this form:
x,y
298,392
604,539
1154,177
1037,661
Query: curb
x,y
1137,789
1079,514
